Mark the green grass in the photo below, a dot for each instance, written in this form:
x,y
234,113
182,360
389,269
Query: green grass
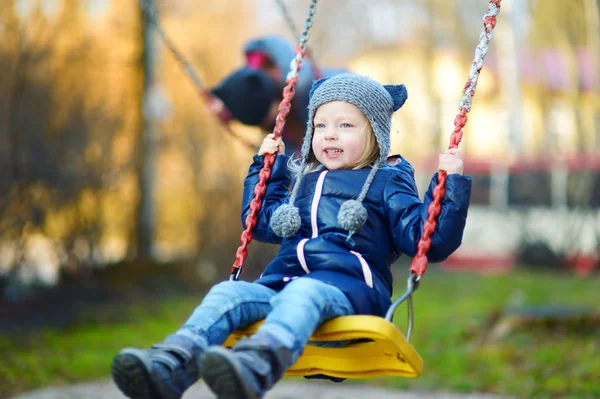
x,y
451,310
58,357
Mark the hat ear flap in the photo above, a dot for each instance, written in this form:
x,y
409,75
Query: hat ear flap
x,y
316,85
399,95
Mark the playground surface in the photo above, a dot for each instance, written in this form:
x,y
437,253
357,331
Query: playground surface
x,y
285,390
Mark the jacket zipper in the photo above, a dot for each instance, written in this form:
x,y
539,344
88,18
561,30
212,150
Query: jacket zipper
x,y
367,274
313,221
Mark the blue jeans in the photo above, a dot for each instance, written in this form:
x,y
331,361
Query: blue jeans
x,y
292,314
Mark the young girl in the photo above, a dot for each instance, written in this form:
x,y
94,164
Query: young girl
x,y
349,216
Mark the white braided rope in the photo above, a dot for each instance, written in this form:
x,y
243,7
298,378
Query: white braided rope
x,y
480,52
303,38
295,66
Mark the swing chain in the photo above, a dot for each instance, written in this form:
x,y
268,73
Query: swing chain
x,y
269,159
187,66
316,72
305,35
412,283
301,47
419,262
190,71
288,18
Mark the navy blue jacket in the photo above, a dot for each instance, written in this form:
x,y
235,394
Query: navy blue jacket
x,y
360,266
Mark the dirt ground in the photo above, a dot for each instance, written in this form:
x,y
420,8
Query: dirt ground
x,y
285,390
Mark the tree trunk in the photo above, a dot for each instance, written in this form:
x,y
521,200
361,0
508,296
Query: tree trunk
x,y
147,145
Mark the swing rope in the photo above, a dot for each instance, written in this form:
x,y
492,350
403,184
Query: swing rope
x,y
419,262
316,71
269,159
191,72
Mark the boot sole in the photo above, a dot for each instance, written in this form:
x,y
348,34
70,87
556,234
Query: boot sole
x,y
131,373
223,375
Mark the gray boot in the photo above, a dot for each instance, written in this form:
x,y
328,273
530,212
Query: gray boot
x,y
165,371
247,371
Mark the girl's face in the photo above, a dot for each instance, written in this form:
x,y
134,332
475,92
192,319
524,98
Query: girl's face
x,y
340,135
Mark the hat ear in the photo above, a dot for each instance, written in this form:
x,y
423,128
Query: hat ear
x,y
399,95
316,85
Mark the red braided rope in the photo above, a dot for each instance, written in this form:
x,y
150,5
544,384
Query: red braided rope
x,y
265,173
419,262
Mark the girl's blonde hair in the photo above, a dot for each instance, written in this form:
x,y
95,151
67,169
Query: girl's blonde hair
x,y
368,158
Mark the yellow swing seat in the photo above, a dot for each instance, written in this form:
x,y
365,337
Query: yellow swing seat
x,y
377,346
386,353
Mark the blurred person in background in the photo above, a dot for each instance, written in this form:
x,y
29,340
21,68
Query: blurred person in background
x,y
251,94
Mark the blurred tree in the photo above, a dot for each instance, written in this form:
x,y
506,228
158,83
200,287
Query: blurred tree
x,y
567,31
59,133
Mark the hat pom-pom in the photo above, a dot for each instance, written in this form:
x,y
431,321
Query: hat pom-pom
x,y
352,215
285,222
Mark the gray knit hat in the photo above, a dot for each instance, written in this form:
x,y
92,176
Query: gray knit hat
x,y
378,103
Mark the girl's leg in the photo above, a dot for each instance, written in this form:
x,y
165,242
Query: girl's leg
x,y
166,370
256,364
299,309
227,306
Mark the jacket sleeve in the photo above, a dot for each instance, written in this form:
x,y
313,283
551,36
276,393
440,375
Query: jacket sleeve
x,y
406,214
276,194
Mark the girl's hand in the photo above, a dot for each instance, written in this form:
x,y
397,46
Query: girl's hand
x,y
451,162
271,146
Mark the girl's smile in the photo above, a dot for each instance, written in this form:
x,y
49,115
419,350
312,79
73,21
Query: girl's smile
x,y
333,152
